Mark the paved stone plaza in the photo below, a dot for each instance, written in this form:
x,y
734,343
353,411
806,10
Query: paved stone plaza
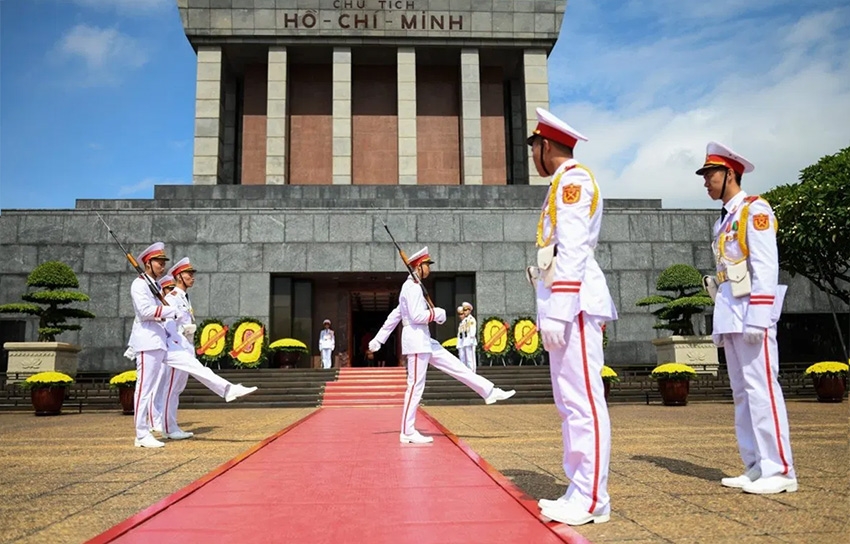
x,y
68,478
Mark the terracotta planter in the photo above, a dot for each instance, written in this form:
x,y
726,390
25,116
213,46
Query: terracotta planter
x,y
674,392
125,397
287,359
47,401
830,388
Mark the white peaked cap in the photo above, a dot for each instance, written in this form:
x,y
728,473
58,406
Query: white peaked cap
x,y
717,154
552,128
421,256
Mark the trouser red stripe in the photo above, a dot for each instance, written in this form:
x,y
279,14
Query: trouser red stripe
x,y
410,396
140,386
785,467
165,415
590,399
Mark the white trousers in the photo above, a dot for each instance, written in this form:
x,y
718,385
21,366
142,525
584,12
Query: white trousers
x,y
326,358
149,367
179,365
761,421
585,426
417,365
469,357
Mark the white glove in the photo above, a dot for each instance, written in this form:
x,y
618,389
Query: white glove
x,y
189,329
553,332
374,345
439,316
717,339
130,354
753,335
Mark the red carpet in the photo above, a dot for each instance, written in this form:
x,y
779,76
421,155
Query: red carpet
x,y
367,387
341,476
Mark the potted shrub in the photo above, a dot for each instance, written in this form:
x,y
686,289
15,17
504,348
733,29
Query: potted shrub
x,y
52,283
830,380
287,352
125,383
686,299
47,391
608,377
674,382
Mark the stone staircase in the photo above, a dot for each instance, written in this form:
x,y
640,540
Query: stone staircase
x,y
367,387
386,386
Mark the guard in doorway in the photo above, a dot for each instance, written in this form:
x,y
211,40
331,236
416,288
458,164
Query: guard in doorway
x,y
470,337
414,312
327,343
460,336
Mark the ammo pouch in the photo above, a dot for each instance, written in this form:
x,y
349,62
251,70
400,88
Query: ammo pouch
x,y
546,264
739,279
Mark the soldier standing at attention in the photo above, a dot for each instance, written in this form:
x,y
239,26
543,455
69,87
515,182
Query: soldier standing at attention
x,y
460,336
747,305
327,343
415,313
573,302
470,340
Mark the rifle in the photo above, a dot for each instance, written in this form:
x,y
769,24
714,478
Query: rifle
x,y
151,285
410,269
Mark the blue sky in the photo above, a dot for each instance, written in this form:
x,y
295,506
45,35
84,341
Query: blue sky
x,y
97,96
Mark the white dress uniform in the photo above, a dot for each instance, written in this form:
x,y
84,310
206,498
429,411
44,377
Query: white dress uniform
x,y
470,342
573,297
421,350
181,363
148,340
327,344
461,329
745,325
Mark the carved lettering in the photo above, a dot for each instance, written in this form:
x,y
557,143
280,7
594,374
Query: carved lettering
x,y
372,15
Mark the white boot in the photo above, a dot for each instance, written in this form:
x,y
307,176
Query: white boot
x,y
148,442
771,485
415,438
740,481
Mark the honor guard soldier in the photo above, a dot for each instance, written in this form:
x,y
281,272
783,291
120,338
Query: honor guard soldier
x,y
327,343
461,323
148,340
470,340
747,304
181,361
573,302
415,313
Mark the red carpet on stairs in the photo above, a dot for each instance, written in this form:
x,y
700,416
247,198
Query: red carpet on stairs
x,y
341,476
367,387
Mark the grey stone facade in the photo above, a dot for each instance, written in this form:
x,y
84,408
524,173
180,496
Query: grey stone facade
x,y
238,236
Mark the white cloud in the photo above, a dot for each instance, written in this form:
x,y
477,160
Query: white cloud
x,y
146,186
102,55
777,91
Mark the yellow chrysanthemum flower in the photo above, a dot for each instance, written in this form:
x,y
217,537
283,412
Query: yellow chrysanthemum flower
x,y
673,370
47,379
451,342
828,367
127,379
608,372
288,343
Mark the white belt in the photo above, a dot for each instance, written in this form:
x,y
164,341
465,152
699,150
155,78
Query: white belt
x,y
405,322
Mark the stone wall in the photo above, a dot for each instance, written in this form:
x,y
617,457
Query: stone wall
x,y
237,236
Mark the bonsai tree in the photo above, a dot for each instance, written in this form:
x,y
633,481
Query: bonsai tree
x,y
53,281
688,298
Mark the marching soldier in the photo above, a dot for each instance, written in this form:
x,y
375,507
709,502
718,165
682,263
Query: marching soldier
x,y
327,343
181,362
748,302
148,341
573,302
414,312
470,343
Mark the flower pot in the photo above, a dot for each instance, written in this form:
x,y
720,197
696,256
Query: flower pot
x,y
287,359
607,385
674,392
47,401
830,388
125,397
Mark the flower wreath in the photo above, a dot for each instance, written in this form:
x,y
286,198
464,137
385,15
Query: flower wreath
x,y
495,338
212,339
525,339
251,354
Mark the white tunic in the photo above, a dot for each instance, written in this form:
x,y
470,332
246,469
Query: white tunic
x,y
327,340
579,284
148,327
761,309
177,340
415,315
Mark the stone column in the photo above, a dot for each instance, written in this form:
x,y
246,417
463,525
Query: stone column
x,y
536,96
470,85
276,118
206,166
406,116
342,116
